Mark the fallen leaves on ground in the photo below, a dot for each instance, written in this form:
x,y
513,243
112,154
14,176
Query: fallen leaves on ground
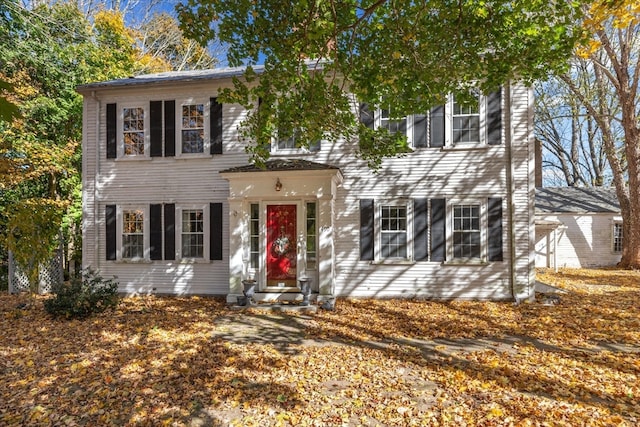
x,y
162,361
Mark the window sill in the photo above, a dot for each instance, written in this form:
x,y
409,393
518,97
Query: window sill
x,y
189,156
289,153
132,158
393,262
466,147
466,262
133,261
194,261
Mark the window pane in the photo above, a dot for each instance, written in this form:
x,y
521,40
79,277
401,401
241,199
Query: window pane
x,y
193,128
465,122
133,130
466,231
254,236
193,233
617,237
393,235
393,125
132,234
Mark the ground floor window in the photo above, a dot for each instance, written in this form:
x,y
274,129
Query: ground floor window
x,y
393,231
466,232
431,229
164,231
133,234
617,237
193,233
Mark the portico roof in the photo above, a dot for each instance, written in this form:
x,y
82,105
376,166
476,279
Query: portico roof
x,y
276,165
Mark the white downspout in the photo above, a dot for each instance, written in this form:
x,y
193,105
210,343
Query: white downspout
x,y
96,210
510,191
555,249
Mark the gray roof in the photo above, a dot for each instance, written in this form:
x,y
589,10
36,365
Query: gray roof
x,y
171,76
184,76
282,165
576,200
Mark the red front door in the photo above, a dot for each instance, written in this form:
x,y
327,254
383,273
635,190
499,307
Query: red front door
x,y
282,254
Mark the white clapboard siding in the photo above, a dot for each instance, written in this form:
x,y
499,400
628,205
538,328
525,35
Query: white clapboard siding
x,y
454,174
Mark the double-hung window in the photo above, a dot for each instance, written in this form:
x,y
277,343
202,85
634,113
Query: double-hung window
x,y
466,122
133,234
133,131
617,237
291,145
192,234
192,128
466,232
392,124
393,231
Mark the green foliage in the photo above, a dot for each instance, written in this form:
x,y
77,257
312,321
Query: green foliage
x,y
32,233
8,110
403,53
83,296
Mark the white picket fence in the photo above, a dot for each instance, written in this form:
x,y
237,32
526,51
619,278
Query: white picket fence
x,y
50,274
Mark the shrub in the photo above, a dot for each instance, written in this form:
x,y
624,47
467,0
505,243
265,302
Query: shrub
x,y
85,295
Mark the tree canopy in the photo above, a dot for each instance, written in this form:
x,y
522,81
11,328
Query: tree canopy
x,y
47,49
395,52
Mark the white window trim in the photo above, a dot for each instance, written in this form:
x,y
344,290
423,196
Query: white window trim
x,y
377,230
448,125
614,222
377,124
146,233
276,151
206,147
120,130
484,244
205,239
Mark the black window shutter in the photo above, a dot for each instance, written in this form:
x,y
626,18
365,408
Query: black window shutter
x,y
216,224
437,126
216,126
169,129
366,115
112,126
155,112
366,230
155,229
438,230
420,131
494,118
495,228
110,221
421,229
169,231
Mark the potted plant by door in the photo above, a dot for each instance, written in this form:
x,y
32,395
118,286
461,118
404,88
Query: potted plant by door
x,y
305,288
249,290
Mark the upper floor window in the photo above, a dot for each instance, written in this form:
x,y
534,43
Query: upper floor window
x,y
192,133
392,124
617,237
291,145
133,131
465,122
473,121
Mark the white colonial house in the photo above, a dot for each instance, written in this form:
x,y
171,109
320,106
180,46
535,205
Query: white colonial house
x,y
577,227
173,206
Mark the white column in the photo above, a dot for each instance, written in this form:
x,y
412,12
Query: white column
x,y
238,226
326,254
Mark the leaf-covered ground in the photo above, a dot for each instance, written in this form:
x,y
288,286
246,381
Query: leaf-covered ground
x,y
192,361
